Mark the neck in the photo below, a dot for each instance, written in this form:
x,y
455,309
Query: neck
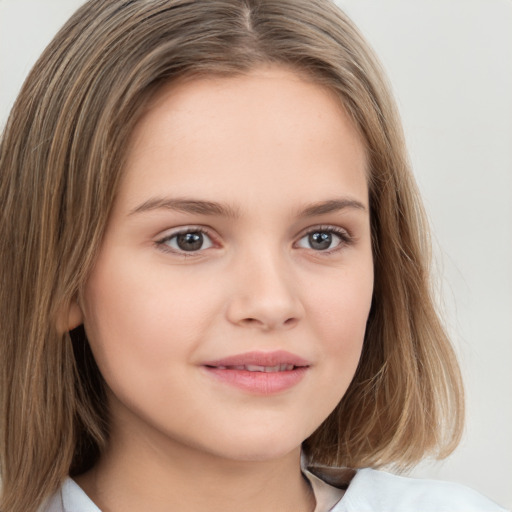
x,y
152,472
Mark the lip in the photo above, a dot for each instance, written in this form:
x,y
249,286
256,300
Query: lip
x,y
277,377
274,358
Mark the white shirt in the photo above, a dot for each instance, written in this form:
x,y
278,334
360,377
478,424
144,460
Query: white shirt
x,y
369,491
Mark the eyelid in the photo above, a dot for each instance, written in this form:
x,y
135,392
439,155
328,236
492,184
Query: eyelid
x,y
161,240
343,233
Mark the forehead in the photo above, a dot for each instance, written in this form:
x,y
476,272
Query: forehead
x,y
269,129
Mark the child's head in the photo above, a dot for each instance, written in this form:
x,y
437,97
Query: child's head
x,y
76,150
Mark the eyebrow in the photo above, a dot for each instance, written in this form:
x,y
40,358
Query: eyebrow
x,y
187,206
201,207
330,206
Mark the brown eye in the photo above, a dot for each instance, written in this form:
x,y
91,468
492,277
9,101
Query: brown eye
x,y
188,241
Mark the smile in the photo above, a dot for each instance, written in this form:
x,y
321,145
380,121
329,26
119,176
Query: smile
x,y
261,373
256,368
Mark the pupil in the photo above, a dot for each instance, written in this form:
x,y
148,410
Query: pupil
x,y
320,240
190,241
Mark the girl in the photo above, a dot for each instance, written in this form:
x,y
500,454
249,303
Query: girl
x,y
214,282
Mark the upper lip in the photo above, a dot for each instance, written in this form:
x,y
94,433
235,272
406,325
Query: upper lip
x,y
278,357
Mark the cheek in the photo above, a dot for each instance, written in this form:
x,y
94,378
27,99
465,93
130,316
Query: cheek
x,y
339,312
142,322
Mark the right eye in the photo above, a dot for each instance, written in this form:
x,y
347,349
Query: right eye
x,y
190,240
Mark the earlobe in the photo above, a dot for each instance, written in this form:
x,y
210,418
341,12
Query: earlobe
x,y
70,318
75,315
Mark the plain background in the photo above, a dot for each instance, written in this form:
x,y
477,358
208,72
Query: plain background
x,y
450,65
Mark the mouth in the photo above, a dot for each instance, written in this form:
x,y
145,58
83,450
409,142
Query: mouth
x,y
257,361
257,368
259,373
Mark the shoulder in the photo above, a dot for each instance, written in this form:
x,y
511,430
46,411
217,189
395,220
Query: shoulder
x,y
378,491
69,498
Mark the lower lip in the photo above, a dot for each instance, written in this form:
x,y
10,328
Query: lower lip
x,y
261,383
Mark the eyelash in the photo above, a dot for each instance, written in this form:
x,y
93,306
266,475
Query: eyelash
x,y
345,239
162,242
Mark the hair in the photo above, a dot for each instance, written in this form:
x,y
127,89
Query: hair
x,y
61,158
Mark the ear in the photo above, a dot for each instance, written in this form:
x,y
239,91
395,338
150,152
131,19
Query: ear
x,y
70,317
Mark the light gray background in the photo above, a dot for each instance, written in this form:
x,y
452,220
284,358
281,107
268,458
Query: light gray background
x,y
450,64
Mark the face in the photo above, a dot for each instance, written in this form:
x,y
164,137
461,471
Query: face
x,y
228,304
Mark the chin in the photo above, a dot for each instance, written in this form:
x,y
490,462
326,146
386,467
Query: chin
x,y
260,448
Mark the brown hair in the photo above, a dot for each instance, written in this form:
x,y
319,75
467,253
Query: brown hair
x,y
60,160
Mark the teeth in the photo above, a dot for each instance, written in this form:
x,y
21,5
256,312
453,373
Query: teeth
x,y
266,369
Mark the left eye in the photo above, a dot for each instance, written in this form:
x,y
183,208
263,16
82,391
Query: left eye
x,y
320,240
188,241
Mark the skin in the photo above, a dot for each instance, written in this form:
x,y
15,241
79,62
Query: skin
x,y
266,146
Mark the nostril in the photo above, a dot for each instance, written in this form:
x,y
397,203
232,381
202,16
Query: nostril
x,y
250,320
289,322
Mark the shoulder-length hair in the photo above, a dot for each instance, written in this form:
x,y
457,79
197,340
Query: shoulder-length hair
x,y
61,157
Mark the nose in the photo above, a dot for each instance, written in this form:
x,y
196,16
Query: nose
x,y
265,294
